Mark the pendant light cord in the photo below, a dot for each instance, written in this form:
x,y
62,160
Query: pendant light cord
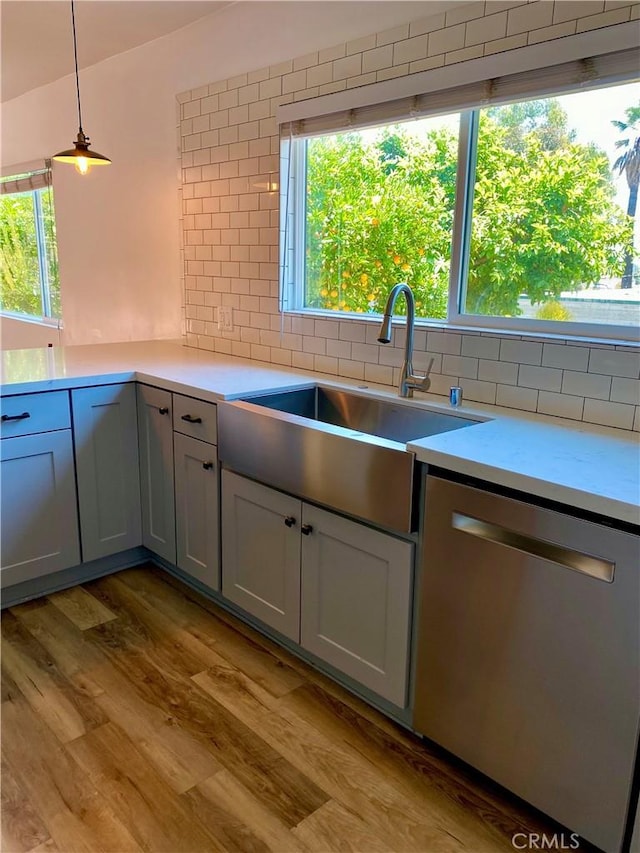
x,y
75,54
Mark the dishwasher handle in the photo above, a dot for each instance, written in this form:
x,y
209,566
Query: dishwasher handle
x,y
568,558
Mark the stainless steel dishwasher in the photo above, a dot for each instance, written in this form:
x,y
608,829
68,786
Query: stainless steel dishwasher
x,y
528,653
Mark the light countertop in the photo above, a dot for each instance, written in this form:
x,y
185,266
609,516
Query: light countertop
x,y
582,465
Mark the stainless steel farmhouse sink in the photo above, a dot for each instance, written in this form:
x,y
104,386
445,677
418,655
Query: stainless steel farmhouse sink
x,y
342,450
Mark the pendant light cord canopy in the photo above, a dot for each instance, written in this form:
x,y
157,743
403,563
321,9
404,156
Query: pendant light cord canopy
x,y
79,155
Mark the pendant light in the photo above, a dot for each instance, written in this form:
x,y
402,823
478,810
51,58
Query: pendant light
x,y
79,155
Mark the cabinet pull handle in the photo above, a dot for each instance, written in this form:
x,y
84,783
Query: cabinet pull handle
x,y
290,521
21,417
568,558
207,466
191,420
306,529
163,410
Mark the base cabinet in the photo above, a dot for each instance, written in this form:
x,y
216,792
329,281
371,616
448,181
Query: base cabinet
x,y
155,434
196,490
337,587
38,506
261,552
356,601
106,450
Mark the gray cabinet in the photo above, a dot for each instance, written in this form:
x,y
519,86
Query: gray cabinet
x,y
339,588
261,552
155,435
106,450
356,601
37,506
197,522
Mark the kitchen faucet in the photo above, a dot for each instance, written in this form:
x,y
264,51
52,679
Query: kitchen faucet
x,y
408,379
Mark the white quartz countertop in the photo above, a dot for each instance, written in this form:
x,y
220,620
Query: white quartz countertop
x,y
578,464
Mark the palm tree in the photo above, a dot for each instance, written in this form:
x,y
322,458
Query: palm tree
x,y
628,164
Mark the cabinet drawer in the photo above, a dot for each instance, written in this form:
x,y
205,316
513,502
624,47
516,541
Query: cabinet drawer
x,y
195,418
26,414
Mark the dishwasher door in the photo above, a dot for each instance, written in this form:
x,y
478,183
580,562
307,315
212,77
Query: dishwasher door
x,y
528,653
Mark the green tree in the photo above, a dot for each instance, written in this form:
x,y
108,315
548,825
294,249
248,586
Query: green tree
x,y
628,164
380,210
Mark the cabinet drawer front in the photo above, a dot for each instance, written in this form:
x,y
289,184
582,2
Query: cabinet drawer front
x,y
26,414
195,418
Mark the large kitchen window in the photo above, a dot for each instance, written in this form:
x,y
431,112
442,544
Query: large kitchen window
x,y
516,213
29,282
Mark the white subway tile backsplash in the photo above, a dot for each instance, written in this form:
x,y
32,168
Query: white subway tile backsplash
x,y
486,29
615,363
560,405
481,347
480,392
458,365
609,414
380,373
522,352
625,390
498,371
340,349
444,41
530,17
586,384
513,397
445,342
544,378
350,330
365,352
569,358
351,369
326,364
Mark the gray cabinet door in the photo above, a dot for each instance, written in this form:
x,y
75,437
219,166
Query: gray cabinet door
x,y
106,446
155,434
356,601
197,522
261,552
38,506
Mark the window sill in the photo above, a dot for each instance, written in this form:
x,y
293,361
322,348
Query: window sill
x,y
472,329
47,322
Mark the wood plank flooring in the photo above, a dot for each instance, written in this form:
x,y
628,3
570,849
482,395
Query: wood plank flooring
x,y
138,716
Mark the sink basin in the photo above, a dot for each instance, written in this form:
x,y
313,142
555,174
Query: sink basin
x,y
341,450
385,419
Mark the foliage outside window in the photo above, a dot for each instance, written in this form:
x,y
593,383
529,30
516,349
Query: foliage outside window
x,y
545,231
29,280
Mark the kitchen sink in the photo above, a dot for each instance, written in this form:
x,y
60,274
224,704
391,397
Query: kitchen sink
x,y
342,450
382,418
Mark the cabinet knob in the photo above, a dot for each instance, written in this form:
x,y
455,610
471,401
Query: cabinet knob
x,y
306,529
191,420
207,466
163,410
290,521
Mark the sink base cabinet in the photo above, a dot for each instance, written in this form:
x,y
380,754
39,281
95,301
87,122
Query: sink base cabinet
x,y
155,435
338,588
106,445
261,553
38,506
356,601
196,490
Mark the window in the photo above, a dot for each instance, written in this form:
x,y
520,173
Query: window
x,y
29,283
518,214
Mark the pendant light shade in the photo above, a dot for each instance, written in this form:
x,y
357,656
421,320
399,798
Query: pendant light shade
x,y
79,155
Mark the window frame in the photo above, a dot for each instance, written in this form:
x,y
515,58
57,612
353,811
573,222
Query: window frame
x,y
29,180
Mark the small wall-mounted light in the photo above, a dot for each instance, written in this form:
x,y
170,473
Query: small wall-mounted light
x,y
79,155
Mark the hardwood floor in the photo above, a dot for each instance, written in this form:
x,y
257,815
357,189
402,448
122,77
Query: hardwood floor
x,y
137,716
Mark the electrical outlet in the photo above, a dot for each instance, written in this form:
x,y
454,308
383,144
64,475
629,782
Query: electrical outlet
x,y
225,318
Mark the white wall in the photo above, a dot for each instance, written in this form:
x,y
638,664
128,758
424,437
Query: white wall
x,y
118,235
